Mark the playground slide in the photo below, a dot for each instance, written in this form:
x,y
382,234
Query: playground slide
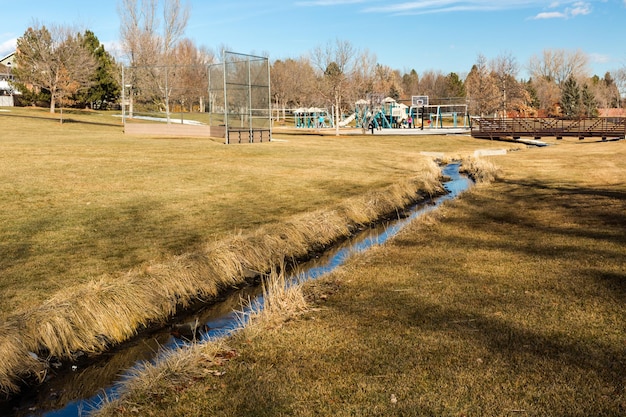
x,y
347,120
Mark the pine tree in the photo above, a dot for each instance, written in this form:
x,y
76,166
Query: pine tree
x,y
105,87
588,102
534,101
570,99
394,93
454,86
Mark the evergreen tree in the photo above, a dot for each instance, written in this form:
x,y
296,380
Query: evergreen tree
x,y
454,86
105,88
394,93
410,83
570,99
534,101
588,102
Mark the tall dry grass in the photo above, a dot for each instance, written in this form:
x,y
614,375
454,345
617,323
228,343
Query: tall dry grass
x,y
94,316
181,368
508,301
479,169
282,300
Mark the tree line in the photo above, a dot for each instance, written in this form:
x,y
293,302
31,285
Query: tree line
x,y
56,65
559,84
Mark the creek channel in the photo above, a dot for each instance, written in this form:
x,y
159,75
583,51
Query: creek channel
x,y
74,389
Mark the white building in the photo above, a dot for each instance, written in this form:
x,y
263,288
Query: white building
x,y
7,91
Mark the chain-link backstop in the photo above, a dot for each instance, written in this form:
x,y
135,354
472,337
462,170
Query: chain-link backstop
x,y
230,100
239,92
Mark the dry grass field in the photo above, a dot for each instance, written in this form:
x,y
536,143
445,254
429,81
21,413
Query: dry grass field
x,y
509,301
102,233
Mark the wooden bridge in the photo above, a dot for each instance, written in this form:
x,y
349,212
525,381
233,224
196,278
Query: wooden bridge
x,y
537,127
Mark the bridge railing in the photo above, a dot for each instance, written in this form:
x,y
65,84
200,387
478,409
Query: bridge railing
x,y
537,127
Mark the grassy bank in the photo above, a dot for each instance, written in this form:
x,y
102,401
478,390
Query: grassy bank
x,y
103,233
508,301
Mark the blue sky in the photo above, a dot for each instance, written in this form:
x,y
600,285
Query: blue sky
x,y
439,35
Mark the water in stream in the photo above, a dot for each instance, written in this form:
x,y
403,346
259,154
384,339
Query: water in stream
x,y
77,388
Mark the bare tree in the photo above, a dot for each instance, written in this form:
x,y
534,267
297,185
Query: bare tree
x,y
335,64
482,89
557,65
54,59
551,70
513,94
150,43
189,85
138,26
387,81
175,18
363,75
548,95
280,79
292,83
620,83
433,84
605,91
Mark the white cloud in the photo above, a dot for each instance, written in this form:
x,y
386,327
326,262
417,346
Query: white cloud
x,y
330,2
557,9
578,8
550,15
7,46
443,6
600,58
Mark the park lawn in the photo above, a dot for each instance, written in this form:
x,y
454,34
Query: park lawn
x,y
102,233
79,200
507,301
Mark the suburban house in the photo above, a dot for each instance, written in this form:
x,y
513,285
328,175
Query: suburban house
x,y
7,63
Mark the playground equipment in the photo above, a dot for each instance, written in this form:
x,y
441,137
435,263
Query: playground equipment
x,y
387,113
312,117
345,122
380,113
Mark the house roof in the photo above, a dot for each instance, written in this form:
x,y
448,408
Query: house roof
x,y
8,60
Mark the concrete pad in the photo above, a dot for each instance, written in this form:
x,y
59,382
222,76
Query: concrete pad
x,y
489,152
433,154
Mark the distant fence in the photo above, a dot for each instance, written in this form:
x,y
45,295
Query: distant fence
x,y
174,130
496,128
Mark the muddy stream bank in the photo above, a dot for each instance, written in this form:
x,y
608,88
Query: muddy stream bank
x,y
73,389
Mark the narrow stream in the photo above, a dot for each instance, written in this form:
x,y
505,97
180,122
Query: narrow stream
x,y
73,390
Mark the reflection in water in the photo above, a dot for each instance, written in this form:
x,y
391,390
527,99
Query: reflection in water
x,y
73,392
